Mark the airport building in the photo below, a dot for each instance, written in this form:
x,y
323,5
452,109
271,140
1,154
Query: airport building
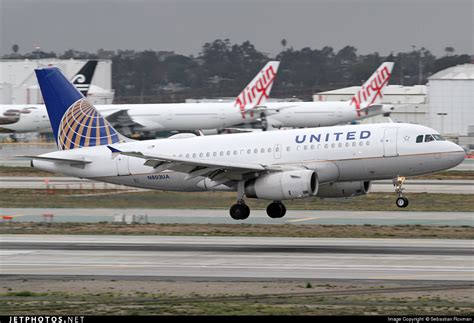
x,y
446,103
451,100
18,83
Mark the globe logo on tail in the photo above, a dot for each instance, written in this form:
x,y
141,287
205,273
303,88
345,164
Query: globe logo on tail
x,y
83,126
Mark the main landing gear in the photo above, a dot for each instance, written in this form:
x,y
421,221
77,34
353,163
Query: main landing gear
x,y
241,211
276,210
401,200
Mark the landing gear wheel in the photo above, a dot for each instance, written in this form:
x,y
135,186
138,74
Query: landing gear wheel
x,y
402,202
239,211
276,210
263,122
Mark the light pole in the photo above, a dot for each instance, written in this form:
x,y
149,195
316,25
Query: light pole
x,y
442,114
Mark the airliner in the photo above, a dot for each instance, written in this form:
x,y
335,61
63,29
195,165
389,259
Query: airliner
x,y
33,117
329,162
367,102
129,118
250,107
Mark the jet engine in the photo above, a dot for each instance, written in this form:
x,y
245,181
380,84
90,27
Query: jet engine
x,y
286,185
344,189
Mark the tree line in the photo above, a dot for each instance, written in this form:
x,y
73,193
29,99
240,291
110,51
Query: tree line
x,y
222,69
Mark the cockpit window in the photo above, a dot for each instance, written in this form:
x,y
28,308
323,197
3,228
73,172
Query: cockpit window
x,y
439,137
419,138
429,138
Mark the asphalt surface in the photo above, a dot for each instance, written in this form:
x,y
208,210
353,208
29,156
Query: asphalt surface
x,y
238,257
411,185
221,216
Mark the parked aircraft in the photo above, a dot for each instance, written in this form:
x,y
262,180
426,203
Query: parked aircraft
x,y
250,106
367,102
330,162
33,117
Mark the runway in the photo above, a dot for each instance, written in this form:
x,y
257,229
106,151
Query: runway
x,y
238,257
411,185
221,216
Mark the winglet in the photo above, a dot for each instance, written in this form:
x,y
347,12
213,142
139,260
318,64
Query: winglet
x,y
115,151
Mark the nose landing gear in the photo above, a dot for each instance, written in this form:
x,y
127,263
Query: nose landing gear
x,y
263,121
401,200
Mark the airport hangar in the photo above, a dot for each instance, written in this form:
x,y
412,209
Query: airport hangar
x,y
18,84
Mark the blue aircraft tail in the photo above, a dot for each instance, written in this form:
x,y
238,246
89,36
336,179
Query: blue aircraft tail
x,y
75,122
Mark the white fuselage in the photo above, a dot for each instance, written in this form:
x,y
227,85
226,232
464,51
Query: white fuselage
x,y
354,152
192,116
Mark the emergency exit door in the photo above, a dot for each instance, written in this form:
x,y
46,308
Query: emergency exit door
x,y
390,142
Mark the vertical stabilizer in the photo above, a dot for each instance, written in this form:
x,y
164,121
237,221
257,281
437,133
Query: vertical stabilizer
x,y
75,122
258,90
371,93
83,79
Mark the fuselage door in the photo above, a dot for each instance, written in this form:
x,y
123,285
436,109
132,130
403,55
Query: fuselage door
x,y
277,151
390,142
122,166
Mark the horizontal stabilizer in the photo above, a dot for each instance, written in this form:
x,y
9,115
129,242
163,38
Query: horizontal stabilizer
x,y
57,160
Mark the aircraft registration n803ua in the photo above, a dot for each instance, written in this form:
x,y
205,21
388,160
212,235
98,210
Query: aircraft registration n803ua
x,y
337,161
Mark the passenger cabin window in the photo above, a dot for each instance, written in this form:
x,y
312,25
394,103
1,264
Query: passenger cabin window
x,y
419,138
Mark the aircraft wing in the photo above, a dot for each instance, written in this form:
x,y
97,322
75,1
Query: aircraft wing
x,y
269,110
121,118
228,173
372,109
219,172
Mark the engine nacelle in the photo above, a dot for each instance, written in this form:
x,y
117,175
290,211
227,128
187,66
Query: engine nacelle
x,y
283,185
344,189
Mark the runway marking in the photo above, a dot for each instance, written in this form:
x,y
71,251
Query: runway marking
x,y
438,270
301,220
424,275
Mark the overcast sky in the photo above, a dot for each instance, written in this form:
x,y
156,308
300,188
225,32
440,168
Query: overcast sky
x,y
185,25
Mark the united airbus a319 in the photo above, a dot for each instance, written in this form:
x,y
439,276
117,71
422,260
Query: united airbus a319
x,y
329,162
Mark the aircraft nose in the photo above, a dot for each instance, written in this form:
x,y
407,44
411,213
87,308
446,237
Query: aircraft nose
x,y
458,154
